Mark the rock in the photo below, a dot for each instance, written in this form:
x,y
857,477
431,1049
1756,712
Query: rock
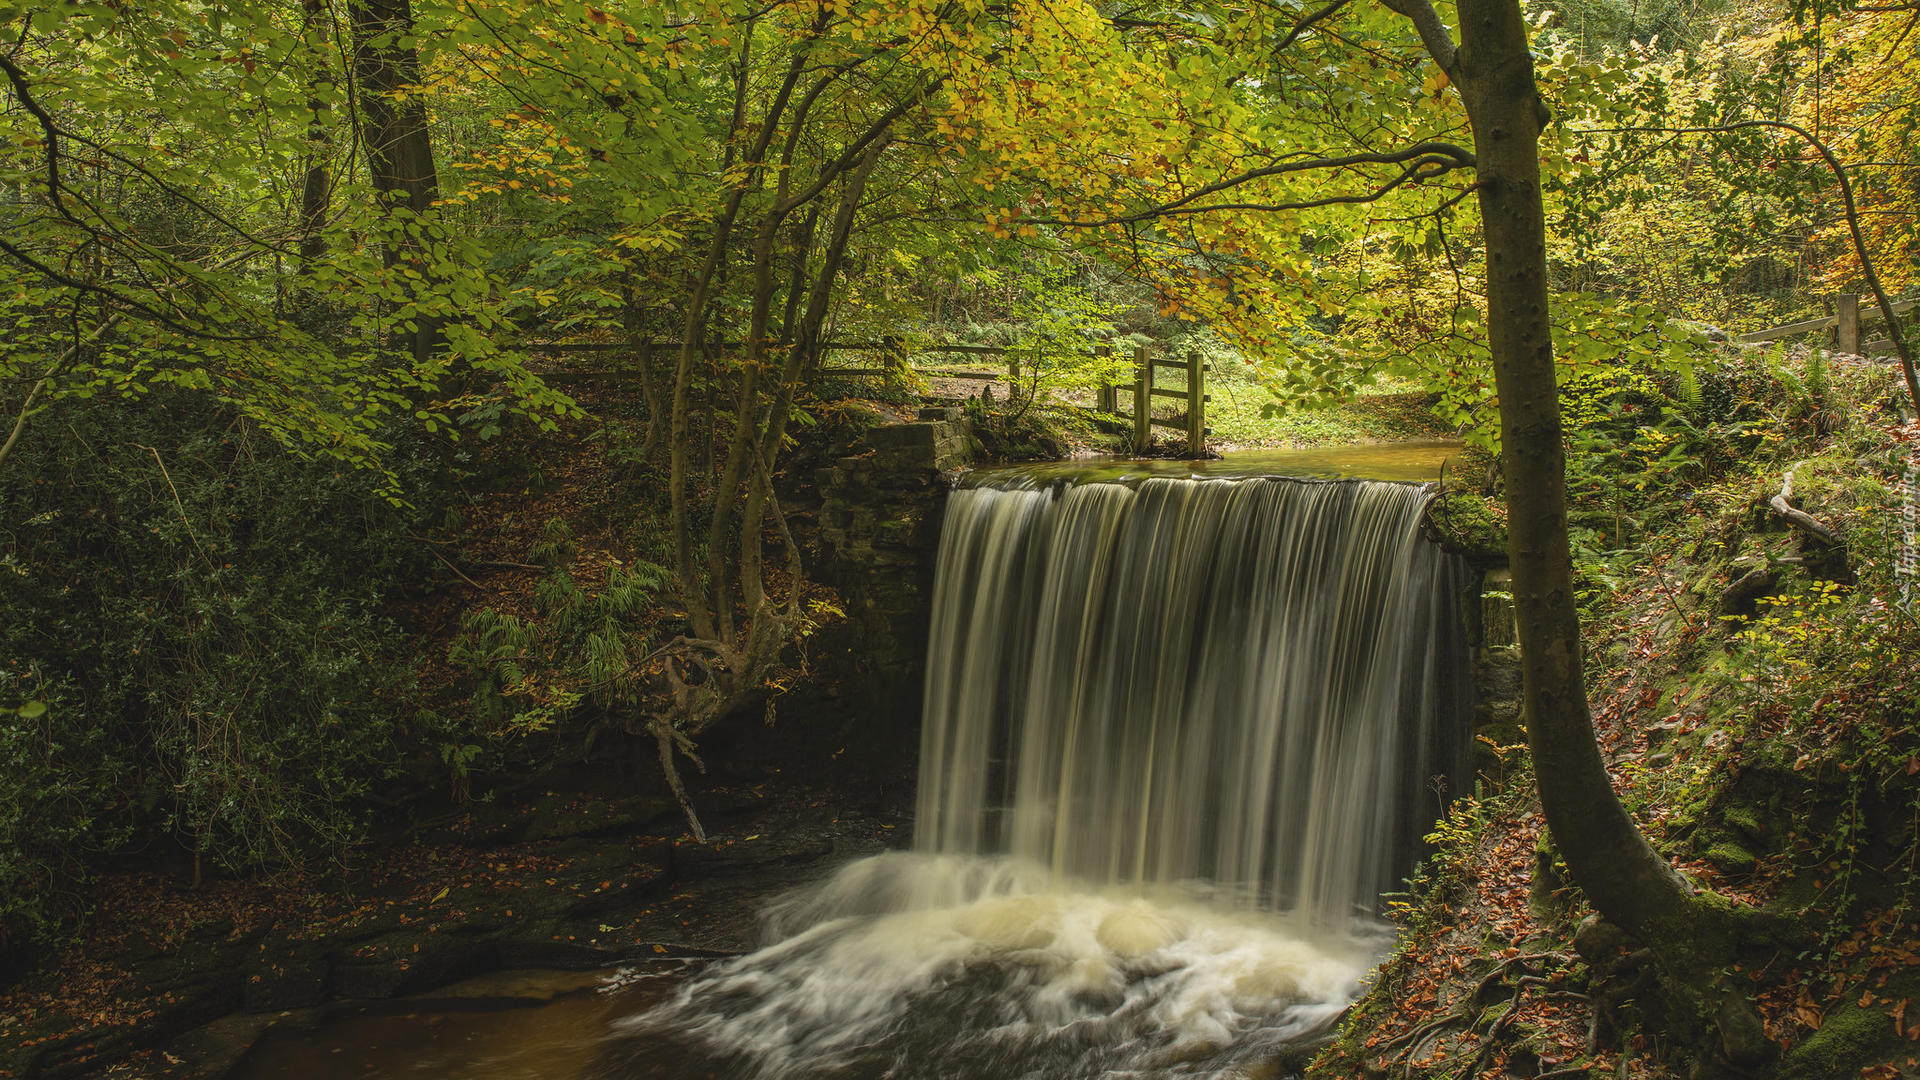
x,y
1742,596
407,961
1743,1037
1598,941
1496,611
1729,857
1850,1038
287,975
1745,820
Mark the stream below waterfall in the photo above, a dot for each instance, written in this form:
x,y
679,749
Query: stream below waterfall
x,y
1183,726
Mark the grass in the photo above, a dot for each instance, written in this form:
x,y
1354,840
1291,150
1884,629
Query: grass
x,y
1243,414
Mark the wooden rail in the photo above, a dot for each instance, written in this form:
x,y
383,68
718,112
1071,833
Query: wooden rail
x,y
1845,322
1108,397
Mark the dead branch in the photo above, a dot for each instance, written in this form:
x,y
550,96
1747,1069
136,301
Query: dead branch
x,y
1800,519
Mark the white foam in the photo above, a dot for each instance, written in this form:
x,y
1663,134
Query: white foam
x,y
906,959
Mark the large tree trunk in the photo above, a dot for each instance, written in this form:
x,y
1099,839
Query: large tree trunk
x,y
1628,883
394,131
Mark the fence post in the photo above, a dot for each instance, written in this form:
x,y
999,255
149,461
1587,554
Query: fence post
x,y
1142,399
1846,327
1196,405
1109,400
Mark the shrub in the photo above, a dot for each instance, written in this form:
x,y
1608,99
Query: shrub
x,y
193,647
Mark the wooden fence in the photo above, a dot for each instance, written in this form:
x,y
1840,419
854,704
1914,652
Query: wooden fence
x,y
1193,424
1845,322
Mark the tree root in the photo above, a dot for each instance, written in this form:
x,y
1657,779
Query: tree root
x,y
1472,1007
668,738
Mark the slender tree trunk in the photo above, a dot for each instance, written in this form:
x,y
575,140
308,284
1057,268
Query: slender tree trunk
x,y
1626,880
632,322
316,190
699,610
746,430
802,353
759,484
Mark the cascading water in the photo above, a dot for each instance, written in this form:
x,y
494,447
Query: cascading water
x,y
1178,739
1192,681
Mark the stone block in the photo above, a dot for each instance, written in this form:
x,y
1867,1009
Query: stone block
x,y
900,458
1497,629
900,436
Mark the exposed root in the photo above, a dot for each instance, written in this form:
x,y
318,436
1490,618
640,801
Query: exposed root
x,y
668,738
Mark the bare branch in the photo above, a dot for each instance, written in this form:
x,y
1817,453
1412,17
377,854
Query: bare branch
x,y
1307,23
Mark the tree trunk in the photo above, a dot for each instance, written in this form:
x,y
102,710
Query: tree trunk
x,y
1694,933
1626,880
316,190
633,324
394,131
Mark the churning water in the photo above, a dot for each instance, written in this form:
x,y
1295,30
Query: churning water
x,y
1179,736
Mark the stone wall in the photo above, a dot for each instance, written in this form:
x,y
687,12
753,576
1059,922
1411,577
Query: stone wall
x,y
1496,670
880,518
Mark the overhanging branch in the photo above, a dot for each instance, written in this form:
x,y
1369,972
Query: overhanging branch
x,y
1421,162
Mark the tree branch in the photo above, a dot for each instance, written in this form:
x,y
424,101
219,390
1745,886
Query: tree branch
x,y
1423,161
1852,211
1307,23
1433,33
61,361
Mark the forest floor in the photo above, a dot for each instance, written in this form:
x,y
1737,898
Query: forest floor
x,y
585,875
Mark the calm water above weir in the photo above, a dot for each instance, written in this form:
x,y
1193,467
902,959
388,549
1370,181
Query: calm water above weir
x,y
1406,462
1182,723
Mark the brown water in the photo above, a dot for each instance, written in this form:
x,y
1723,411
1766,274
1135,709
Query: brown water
x,y
532,1025
1406,462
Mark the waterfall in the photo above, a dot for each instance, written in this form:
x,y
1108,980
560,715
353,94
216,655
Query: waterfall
x,y
1178,738
1239,683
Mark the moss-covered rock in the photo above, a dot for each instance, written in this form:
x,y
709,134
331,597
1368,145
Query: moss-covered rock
x,y
1850,1039
1729,857
1469,524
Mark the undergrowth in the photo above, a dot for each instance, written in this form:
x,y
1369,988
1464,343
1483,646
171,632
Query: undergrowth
x,y
1752,696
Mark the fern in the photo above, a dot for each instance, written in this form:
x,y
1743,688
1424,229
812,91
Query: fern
x,y
583,647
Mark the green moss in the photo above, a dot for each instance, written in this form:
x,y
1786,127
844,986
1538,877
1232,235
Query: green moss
x,y
1850,1039
1470,524
1746,820
1729,857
